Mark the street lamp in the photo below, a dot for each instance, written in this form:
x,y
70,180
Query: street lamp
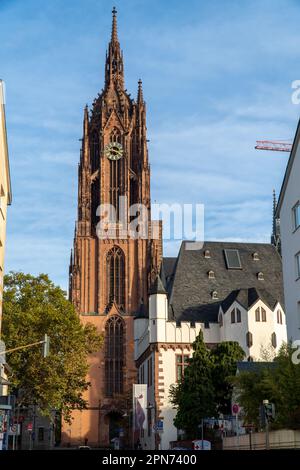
x,y
149,408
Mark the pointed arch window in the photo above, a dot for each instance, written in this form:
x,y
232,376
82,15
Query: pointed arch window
x,y
115,263
115,136
116,174
114,355
94,151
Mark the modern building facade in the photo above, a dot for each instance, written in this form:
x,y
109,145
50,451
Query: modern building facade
x,y
288,210
110,270
5,187
230,292
5,200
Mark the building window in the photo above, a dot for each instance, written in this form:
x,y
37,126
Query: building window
x,y
279,317
274,340
142,373
182,361
206,254
116,276
41,434
296,215
298,264
249,339
114,355
260,276
236,315
221,319
255,256
214,295
263,315
115,136
257,314
233,259
211,275
117,177
149,370
233,316
95,196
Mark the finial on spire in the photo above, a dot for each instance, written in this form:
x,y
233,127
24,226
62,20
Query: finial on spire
x,y
85,120
140,97
114,30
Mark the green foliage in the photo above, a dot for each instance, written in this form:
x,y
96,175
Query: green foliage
x,y
279,384
224,358
33,306
206,389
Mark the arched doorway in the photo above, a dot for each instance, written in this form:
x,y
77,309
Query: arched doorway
x,y
115,423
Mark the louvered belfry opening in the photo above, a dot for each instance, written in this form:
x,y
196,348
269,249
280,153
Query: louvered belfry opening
x,y
114,355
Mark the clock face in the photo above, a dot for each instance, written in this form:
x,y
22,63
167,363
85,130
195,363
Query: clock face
x,y
113,151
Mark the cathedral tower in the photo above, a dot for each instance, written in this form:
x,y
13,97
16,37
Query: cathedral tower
x,y
111,271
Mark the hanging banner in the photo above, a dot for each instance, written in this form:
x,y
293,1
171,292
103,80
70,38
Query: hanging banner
x,y
139,406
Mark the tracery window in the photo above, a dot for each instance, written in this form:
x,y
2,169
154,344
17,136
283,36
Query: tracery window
x,y
114,355
116,175
115,263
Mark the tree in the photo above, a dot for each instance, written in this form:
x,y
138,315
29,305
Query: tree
x,y
278,382
194,396
224,358
33,306
206,388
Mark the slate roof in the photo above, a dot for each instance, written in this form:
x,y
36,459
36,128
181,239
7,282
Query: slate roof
x,y
190,289
247,297
167,272
157,286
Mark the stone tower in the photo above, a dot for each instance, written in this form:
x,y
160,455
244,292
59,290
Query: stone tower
x,y
111,268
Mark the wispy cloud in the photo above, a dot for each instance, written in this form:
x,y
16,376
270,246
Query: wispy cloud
x,y
217,76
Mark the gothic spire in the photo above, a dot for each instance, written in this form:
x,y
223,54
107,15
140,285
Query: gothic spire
x,y
114,69
140,98
85,140
114,29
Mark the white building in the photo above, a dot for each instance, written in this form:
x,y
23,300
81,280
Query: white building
x,y
230,291
288,210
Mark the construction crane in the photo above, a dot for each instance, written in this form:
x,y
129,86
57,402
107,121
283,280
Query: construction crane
x,y
274,145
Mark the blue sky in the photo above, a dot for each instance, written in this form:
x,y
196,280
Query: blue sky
x,y
216,76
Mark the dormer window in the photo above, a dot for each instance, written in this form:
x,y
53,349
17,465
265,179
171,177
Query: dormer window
x,y
260,276
255,256
207,254
214,295
211,275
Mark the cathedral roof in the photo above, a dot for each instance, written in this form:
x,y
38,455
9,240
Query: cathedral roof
x,y
200,281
